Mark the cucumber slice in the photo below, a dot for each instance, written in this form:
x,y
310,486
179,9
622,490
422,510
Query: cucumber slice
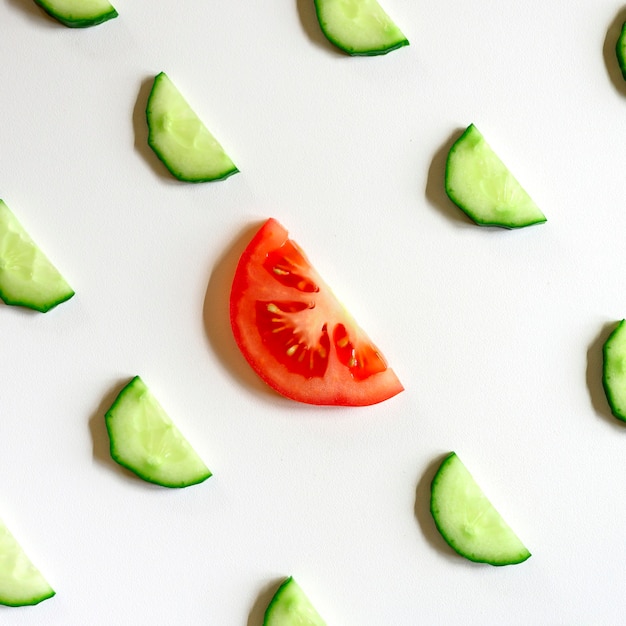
x,y
620,50
614,370
27,277
479,183
21,583
145,441
291,607
468,521
79,13
359,27
180,139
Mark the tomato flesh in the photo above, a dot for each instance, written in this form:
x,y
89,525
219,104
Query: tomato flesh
x,y
294,332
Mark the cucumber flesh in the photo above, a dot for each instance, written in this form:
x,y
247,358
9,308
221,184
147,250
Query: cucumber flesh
x,y
291,607
21,583
180,139
479,183
620,50
468,521
359,27
79,13
27,277
614,370
146,441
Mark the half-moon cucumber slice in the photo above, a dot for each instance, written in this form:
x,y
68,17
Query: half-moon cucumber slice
x,y
468,521
79,13
146,441
291,607
21,583
27,277
359,27
482,186
180,139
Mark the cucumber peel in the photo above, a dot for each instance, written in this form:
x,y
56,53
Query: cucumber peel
x,y
468,521
614,370
291,607
21,583
27,277
146,441
79,13
481,185
359,27
180,139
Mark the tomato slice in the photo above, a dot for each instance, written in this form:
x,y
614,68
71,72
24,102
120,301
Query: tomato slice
x,y
294,332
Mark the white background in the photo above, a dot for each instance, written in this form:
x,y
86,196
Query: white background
x,y
495,334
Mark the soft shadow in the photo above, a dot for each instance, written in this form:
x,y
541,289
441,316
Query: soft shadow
x,y
435,183
257,613
594,378
311,26
140,127
424,516
216,314
24,310
609,54
100,435
35,12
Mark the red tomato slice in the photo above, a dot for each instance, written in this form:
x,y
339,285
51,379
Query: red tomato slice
x,y
294,332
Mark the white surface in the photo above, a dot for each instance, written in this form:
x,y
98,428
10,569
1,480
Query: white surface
x,y
496,335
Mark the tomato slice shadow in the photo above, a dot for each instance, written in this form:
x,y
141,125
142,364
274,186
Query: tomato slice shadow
x,y
216,316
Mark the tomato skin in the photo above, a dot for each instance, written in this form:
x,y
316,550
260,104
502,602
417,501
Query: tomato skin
x,y
296,335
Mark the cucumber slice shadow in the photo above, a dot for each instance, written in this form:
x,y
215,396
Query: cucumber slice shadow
x,y
23,310
612,407
141,135
97,427
435,184
35,12
101,443
311,27
593,375
424,516
264,597
609,52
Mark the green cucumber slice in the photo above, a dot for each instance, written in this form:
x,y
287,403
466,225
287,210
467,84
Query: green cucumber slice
x,y
27,277
620,50
21,583
145,440
79,13
359,27
614,370
468,521
479,183
291,607
180,139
